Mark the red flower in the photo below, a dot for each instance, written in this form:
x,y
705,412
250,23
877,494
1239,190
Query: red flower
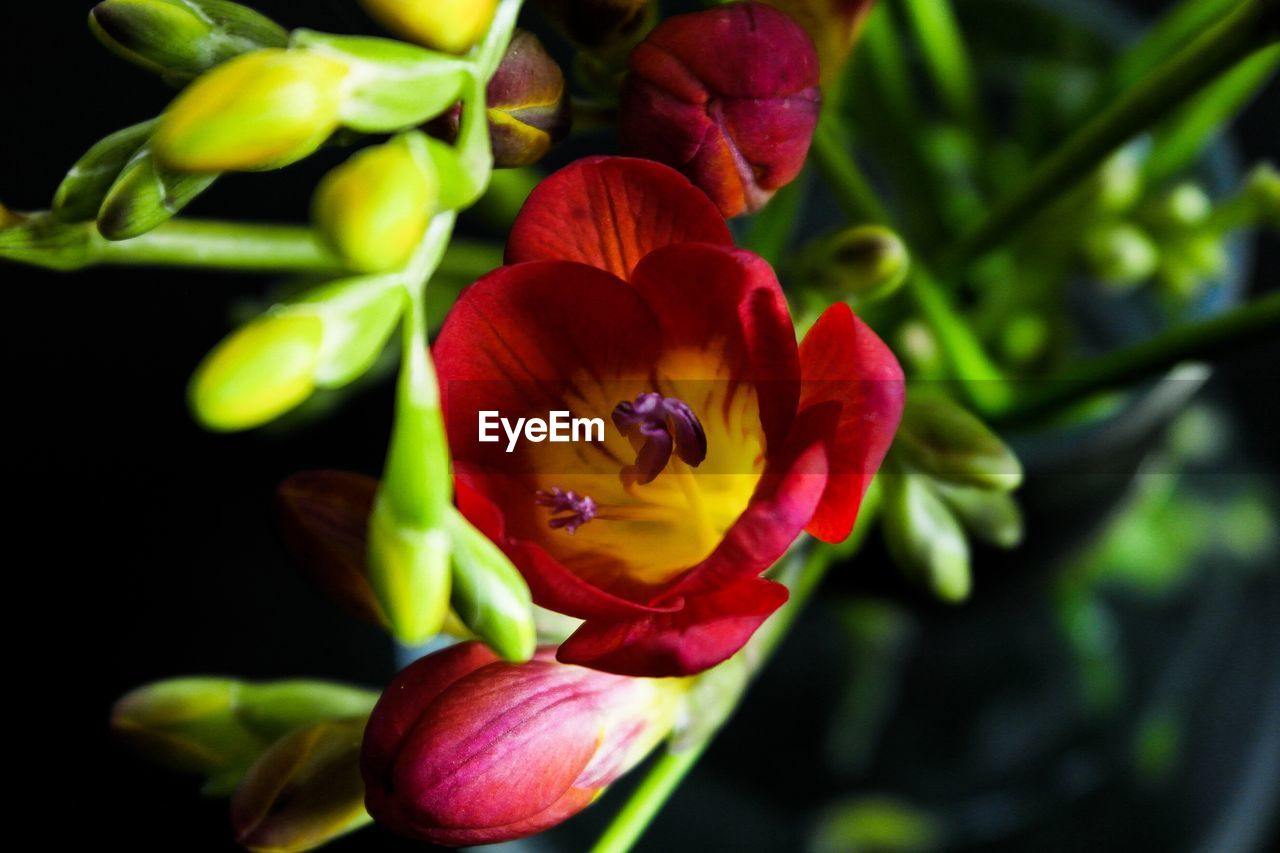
x,y
624,299
729,97
465,749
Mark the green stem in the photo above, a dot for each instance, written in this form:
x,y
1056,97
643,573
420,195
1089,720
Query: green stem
x,y
945,58
1145,360
853,193
212,244
802,571
964,352
1253,25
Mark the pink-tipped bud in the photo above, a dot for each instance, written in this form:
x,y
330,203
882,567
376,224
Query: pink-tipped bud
x,y
728,96
466,749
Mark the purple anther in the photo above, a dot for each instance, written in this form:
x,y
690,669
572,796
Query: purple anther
x,y
582,509
666,423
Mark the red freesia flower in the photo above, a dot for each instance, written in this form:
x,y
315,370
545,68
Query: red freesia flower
x,y
729,96
624,299
465,749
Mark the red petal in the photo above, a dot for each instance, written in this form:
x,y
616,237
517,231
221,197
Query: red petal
x,y
706,631
730,299
843,361
405,700
609,212
784,502
518,339
553,586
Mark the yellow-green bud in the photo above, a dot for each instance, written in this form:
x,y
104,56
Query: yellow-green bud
x,y
864,263
80,195
992,517
304,791
1121,254
940,438
145,196
923,536
1184,206
181,39
374,208
1264,188
448,25
259,111
489,594
409,570
259,372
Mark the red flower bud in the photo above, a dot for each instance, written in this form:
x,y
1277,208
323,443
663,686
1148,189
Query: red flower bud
x,y
466,749
528,105
728,96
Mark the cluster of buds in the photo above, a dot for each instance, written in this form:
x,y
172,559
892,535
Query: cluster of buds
x,y
1174,236
697,100
948,477
465,749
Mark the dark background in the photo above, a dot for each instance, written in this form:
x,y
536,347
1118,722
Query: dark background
x,y
139,547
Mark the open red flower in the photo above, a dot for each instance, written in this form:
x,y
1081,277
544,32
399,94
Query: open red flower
x,y
624,299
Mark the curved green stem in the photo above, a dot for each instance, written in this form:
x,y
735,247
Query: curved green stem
x,y
1253,25
1145,360
852,191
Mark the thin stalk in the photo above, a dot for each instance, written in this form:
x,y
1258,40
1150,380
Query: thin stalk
x,y
213,244
1252,26
1191,341
946,59
852,191
964,352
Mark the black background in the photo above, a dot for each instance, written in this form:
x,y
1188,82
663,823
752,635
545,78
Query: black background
x,y
137,546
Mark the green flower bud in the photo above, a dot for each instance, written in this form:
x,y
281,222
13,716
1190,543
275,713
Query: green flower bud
x,y
217,727
448,25
1024,338
258,373
940,438
181,39
865,264
259,111
359,316
374,208
1117,186
1189,261
44,240
1121,254
1184,206
924,538
992,517
145,196
1263,187
80,195
489,594
409,570
304,791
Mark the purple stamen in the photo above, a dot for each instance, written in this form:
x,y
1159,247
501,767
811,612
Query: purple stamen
x,y
665,423
582,509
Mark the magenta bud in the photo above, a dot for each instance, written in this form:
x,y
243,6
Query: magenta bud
x,y
528,105
728,96
466,749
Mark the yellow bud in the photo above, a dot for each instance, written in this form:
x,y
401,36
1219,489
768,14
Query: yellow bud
x,y
375,208
259,111
258,373
450,25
